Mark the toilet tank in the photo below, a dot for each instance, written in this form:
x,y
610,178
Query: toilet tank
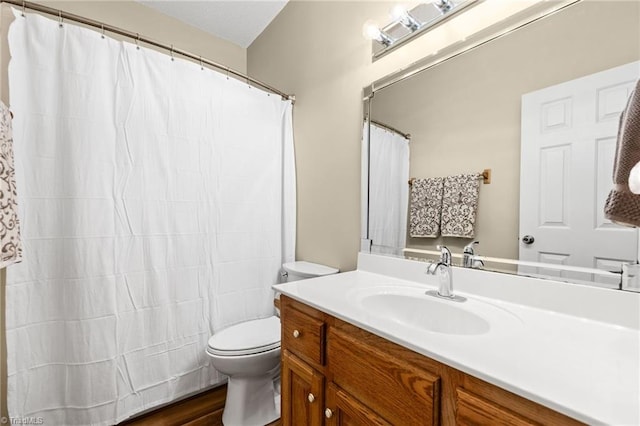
x,y
300,270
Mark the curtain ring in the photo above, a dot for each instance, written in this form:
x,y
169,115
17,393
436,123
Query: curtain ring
x,y
172,58
138,41
201,66
102,30
227,73
60,16
24,6
248,83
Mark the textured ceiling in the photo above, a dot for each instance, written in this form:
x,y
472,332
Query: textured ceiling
x,y
239,21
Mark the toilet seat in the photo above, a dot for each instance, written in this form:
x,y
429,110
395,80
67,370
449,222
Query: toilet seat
x,y
246,338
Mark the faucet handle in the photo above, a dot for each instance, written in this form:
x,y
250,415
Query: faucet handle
x,y
468,249
445,255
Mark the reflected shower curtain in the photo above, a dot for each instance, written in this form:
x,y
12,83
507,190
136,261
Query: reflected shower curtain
x,y
388,190
157,203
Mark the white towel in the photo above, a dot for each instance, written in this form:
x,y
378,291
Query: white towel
x,y
10,244
459,205
426,207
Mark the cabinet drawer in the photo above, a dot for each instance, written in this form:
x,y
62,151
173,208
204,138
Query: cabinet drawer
x,y
400,392
303,336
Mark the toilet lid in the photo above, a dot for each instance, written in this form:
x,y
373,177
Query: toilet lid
x,y
308,269
247,338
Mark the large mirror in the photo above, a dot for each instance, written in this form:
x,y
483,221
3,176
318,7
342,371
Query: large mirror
x,y
539,109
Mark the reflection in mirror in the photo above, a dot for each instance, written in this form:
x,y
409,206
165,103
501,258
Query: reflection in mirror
x,y
540,108
388,198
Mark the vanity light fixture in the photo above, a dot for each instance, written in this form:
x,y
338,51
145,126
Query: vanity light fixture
x,y
408,24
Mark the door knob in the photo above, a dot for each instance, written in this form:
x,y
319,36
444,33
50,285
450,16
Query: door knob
x,y
296,334
311,398
328,413
528,239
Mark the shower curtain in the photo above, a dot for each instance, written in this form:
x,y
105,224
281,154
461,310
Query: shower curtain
x,y
157,203
388,189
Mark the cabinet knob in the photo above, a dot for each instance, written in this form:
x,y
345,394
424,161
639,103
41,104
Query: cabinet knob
x,y
296,334
328,413
311,398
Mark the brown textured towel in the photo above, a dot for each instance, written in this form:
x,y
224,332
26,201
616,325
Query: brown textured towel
x,y
426,207
623,206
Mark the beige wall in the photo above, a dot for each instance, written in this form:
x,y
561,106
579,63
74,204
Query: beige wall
x,y
315,49
464,115
136,18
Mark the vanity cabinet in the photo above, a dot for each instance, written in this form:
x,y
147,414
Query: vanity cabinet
x,y
334,373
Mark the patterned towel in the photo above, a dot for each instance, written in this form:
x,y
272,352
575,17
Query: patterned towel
x,y
10,244
622,206
426,207
459,205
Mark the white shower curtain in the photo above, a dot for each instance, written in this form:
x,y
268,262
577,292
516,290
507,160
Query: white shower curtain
x,y
388,189
157,204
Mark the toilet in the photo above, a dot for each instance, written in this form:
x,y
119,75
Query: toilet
x,y
300,270
249,354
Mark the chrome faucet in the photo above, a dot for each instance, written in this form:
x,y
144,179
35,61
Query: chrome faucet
x,y
443,269
469,259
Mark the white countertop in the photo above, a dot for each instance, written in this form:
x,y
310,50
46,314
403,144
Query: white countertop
x,y
584,368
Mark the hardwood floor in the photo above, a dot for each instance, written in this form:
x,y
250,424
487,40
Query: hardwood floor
x,y
203,409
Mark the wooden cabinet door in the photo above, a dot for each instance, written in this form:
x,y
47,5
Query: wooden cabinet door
x,y
365,367
344,410
302,393
474,410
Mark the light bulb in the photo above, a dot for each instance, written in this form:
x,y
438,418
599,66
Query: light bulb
x,y
634,179
370,30
400,14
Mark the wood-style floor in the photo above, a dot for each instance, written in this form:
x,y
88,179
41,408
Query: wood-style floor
x,y
203,409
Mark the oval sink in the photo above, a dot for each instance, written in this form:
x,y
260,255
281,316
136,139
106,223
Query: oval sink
x,y
427,313
411,307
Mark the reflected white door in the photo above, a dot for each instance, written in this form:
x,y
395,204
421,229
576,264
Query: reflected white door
x,y
567,151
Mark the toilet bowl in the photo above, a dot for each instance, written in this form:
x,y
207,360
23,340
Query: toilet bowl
x,y
249,354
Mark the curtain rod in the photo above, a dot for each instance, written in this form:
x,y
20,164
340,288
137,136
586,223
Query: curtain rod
x,y
391,129
138,38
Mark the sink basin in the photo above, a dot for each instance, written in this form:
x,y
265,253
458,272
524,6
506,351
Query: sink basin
x,y
411,307
426,312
